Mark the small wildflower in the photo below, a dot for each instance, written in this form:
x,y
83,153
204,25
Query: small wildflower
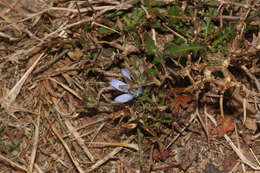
x,y
130,92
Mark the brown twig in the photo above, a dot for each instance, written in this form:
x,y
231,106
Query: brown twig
x,y
79,140
13,164
75,162
175,33
109,156
35,144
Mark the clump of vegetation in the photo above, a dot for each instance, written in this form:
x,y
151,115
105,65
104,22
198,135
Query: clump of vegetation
x,y
165,79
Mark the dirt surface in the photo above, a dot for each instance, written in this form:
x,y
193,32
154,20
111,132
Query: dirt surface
x,y
130,86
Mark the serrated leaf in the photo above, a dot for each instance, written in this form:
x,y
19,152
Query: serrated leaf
x,y
137,17
174,11
225,34
208,25
184,49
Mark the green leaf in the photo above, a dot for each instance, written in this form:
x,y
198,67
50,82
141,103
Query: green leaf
x,y
104,31
174,11
113,14
159,15
137,17
152,72
208,25
2,128
157,4
158,26
225,34
149,45
253,15
184,49
88,28
156,60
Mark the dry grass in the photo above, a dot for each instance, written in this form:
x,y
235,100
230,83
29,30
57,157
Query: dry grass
x,y
197,61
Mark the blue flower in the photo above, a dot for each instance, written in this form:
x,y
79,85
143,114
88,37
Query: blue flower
x,y
130,93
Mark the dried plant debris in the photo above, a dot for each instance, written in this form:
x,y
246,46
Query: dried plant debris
x,y
127,86
210,168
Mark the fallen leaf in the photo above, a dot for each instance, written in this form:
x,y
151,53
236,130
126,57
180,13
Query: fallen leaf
x,y
160,155
164,154
225,125
180,100
129,126
116,115
35,50
156,155
229,163
32,60
75,54
250,123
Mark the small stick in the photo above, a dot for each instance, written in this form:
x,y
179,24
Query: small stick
x,y
109,156
35,144
79,140
103,26
97,131
13,164
75,162
251,76
175,33
235,3
151,159
193,116
221,106
241,155
257,160
8,37
45,66
67,88
244,110
78,10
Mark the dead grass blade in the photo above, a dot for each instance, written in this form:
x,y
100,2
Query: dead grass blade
x,y
126,145
35,144
109,156
13,164
97,131
240,154
38,168
11,96
11,21
75,162
193,116
8,37
79,140
67,88
125,5
55,59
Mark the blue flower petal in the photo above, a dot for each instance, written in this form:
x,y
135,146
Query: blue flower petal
x,y
117,83
140,89
126,73
124,98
